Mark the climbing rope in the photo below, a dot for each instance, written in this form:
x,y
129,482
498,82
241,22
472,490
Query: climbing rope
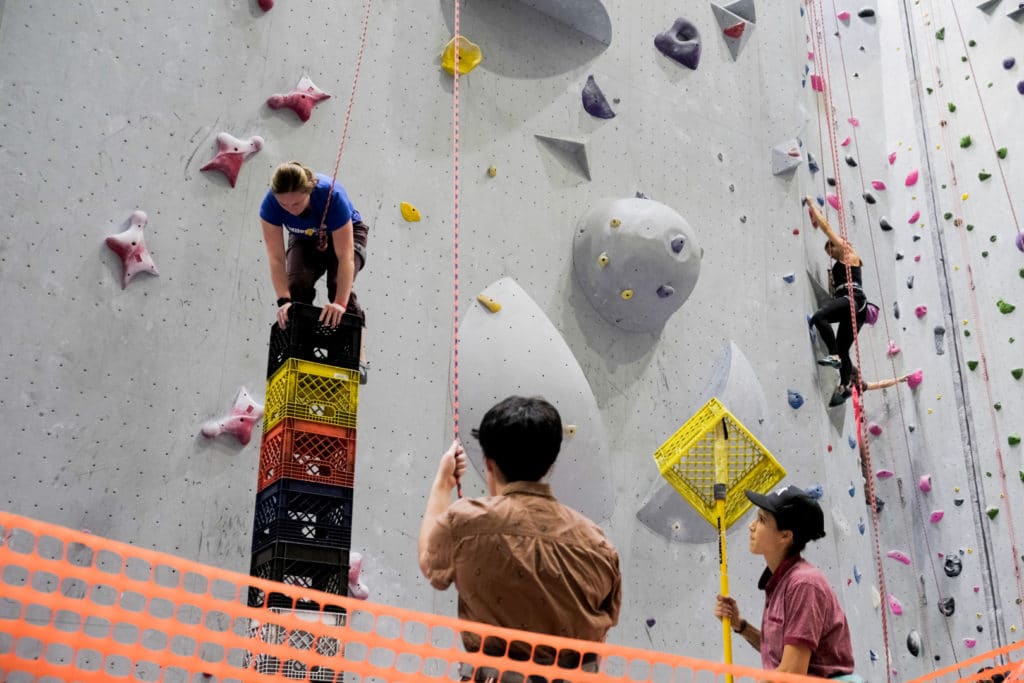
x,y
823,69
321,235
455,229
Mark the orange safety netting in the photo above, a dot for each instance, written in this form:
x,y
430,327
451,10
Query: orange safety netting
x,y
77,607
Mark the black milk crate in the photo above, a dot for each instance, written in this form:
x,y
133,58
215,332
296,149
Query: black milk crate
x,y
306,338
302,566
294,511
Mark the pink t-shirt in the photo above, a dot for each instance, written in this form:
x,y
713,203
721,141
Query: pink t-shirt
x,y
801,609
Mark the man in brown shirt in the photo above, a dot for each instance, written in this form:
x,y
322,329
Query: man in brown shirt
x,y
519,558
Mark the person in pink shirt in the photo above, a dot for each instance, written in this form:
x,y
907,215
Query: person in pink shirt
x,y
803,627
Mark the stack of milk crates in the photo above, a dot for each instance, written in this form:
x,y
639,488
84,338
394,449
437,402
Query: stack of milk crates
x,y
302,526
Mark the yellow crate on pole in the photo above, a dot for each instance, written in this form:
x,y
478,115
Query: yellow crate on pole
x,y
687,461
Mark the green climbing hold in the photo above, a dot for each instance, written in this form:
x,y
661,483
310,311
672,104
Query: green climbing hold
x,y
972,365
992,512
967,333
970,227
965,142
1013,439
930,91
1005,307
1021,272
972,42
1021,473
997,406
1012,340
1017,372
984,254
984,176
947,215
1002,152
941,33
992,238
963,58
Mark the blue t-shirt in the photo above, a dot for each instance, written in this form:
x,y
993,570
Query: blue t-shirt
x,y
307,224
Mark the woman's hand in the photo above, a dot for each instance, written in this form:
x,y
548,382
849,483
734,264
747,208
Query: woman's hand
x,y
726,608
331,314
817,219
282,315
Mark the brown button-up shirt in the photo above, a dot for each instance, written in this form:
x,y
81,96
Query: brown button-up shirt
x,y
523,560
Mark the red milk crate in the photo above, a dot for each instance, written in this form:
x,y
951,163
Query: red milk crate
x,y
308,451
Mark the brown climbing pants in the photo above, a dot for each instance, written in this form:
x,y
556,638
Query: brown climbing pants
x,y
305,264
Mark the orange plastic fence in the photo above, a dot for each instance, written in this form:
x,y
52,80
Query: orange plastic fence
x,y
77,607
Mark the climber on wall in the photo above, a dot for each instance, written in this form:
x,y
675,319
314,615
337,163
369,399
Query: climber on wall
x,y
837,309
295,203
803,627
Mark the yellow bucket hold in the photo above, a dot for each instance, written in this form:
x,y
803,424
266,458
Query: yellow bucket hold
x,y
470,56
409,212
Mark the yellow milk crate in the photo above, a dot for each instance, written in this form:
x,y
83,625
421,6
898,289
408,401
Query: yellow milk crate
x,y
312,391
686,460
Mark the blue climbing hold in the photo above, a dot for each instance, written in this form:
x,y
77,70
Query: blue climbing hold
x,y
812,164
665,291
1008,63
852,441
795,399
678,242
873,655
852,491
789,278
821,202
860,526
816,492
857,576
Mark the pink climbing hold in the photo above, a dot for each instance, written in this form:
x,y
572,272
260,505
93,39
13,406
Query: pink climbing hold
x,y
853,121
231,152
810,55
893,349
936,516
885,474
912,178
843,16
977,589
130,246
301,100
925,483
817,83
921,311
914,217
878,185
356,588
833,201
915,378
846,142
245,414
917,258
898,556
875,429
970,642
894,605
892,158
266,5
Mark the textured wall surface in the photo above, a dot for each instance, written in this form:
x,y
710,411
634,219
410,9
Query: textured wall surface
x,y
113,105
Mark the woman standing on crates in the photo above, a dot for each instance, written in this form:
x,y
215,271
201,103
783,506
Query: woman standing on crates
x,y
325,235
803,628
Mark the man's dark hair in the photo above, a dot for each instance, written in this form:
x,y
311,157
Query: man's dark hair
x,y
522,436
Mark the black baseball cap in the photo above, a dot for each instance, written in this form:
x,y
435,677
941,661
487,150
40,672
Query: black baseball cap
x,y
793,510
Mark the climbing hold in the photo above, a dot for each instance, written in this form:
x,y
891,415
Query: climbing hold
x,y
843,16
681,43
851,162
869,198
833,201
912,178
965,142
409,212
857,576
816,492
894,605
1008,63
470,56
860,527
244,415
845,142
983,176
915,378
852,491
570,430
356,588
885,474
925,483
947,606
952,108
1002,152
1020,87
603,259
893,349
490,304
851,442
911,428
266,5
795,398
1017,14
921,311
866,13
130,246
896,309
492,171
885,224
941,33
1017,372
892,158
914,643
626,294
958,502
789,278
873,655
970,642
972,365
992,511
594,101
231,152
736,21
878,185
786,156
301,99
953,565
997,405
615,222
899,556
812,164
651,622
936,516
1020,243
1013,439
571,153
1005,307
914,217
875,429
910,282
665,291
817,83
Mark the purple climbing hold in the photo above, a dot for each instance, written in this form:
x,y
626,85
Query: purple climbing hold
x,y
651,622
878,185
680,43
1020,87
1008,63
594,100
665,291
1020,241
794,398
678,242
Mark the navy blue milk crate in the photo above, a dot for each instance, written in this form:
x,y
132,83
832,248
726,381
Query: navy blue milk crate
x,y
294,511
306,338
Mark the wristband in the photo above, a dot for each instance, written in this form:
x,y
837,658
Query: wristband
x,y
742,628
282,301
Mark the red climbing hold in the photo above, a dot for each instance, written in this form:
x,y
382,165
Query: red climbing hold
x,y
130,246
266,5
736,30
301,100
231,152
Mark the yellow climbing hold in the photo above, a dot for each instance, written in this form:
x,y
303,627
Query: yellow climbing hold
x,y
627,294
492,171
616,222
603,259
956,489
964,196
570,430
939,397
1013,628
491,305
409,212
470,56
930,411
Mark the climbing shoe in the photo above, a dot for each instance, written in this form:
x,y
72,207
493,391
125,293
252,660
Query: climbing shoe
x,y
832,361
839,396
364,369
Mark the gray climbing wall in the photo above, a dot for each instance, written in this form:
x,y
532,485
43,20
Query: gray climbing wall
x,y
112,106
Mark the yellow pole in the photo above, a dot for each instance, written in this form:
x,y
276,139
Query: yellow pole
x,y
721,454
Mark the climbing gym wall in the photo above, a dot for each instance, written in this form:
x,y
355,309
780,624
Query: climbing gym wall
x,y
630,184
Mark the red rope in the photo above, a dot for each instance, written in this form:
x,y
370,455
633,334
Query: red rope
x,y
321,235
455,231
